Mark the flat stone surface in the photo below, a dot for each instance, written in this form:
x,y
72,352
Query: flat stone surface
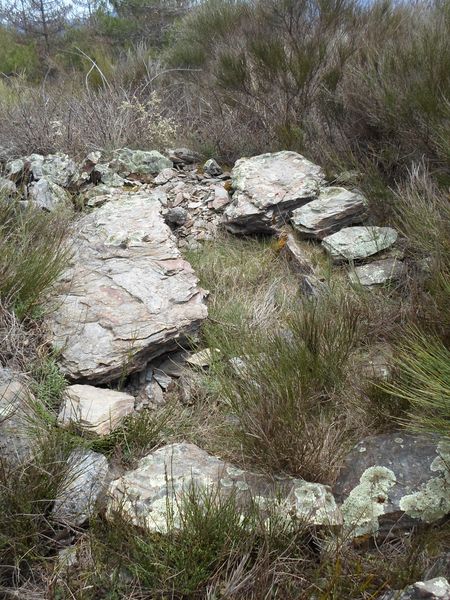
x,y
95,410
161,478
128,295
268,188
358,243
394,480
334,209
377,272
141,162
80,489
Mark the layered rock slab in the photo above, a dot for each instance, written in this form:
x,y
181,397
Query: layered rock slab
x,y
267,188
394,480
378,272
334,209
151,494
358,243
128,295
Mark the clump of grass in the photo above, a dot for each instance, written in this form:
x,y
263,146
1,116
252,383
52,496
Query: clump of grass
x,y
33,253
423,380
48,383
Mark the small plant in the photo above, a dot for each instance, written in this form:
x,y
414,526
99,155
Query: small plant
x,y
48,381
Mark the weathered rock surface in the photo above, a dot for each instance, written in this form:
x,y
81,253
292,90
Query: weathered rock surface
x,y
95,410
433,589
394,480
145,493
128,296
212,168
268,188
358,243
17,418
48,195
183,156
58,168
142,162
7,187
80,489
377,272
334,209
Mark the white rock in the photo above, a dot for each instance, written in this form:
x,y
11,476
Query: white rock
x,y
95,410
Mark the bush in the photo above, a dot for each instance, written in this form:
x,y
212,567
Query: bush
x,y
33,253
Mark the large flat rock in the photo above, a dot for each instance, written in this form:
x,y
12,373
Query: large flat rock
x,y
128,295
358,243
155,489
334,209
395,480
268,188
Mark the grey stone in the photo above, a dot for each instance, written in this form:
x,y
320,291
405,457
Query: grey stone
x,y
155,395
394,481
177,216
59,168
83,483
7,187
107,176
164,380
183,156
358,243
95,410
174,364
378,272
19,421
48,195
139,162
165,176
267,189
334,209
160,479
212,168
128,295
433,589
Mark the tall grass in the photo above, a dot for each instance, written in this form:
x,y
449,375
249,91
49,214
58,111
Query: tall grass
x,y
33,253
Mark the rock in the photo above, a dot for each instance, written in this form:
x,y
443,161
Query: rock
x,y
106,175
394,481
18,416
7,187
334,209
140,162
155,395
164,380
177,216
58,168
165,176
94,410
300,264
48,195
126,264
173,365
378,272
221,198
434,589
183,156
358,243
267,189
81,487
160,478
212,168
203,358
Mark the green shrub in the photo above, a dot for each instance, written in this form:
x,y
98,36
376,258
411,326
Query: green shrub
x,y
33,253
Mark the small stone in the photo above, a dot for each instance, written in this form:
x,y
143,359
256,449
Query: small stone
x,y
203,358
95,410
358,243
378,272
177,216
155,394
165,176
212,168
162,378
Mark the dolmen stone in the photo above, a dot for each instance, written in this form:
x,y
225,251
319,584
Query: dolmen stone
x,y
358,243
150,496
378,272
95,410
394,481
334,209
81,486
267,188
128,295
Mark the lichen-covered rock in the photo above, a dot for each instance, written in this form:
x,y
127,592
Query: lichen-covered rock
x,y
358,243
58,168
153,490
268,188
394,480
103,173
433,589
84,481
128,295
139,162
378,272
95,410
334,209
18,419
48,195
